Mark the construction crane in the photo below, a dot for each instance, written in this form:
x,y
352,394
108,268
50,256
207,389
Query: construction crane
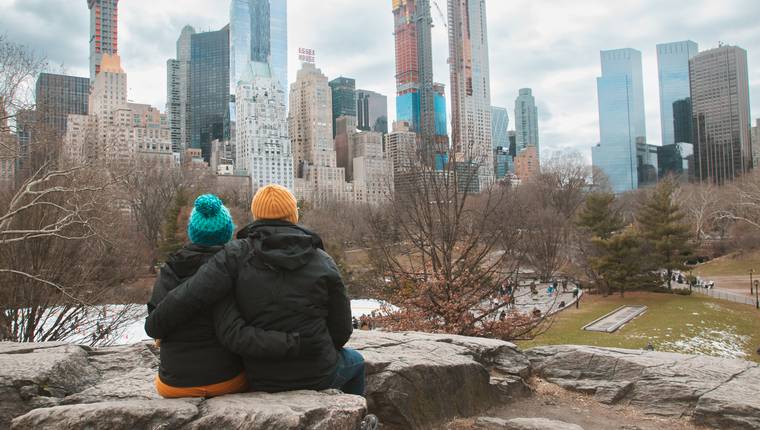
x,y
440,13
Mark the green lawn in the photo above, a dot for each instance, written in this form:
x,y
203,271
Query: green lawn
x,y
687,324
732,264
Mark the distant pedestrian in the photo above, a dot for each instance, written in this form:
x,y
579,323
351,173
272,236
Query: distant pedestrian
x,y
649,346
502,316
564,285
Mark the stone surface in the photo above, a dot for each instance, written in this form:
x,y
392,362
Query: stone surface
x,y
296,410
415,380
714,391
33,375
123,415
490,423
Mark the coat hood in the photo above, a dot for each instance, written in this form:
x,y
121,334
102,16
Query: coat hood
x,y
281,244
185,262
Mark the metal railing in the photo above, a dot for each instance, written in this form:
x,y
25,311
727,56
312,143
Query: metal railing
x,y
725,295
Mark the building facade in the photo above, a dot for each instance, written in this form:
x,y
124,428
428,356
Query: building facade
x,y
258,33
343,99
646,164
682,131
720,114
371,111
372,170
58,96
209,88
115,131
318,179
675,160
104,32
673,71
401,146
526,120
526,163
178,106
345,128
499,126
622,122
503,162
470,86
756,144
262,146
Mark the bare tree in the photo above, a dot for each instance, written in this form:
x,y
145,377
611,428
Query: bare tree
x,y
745,202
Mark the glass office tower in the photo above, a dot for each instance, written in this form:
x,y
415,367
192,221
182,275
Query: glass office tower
x,y
210,88
622,121
499,125
673,70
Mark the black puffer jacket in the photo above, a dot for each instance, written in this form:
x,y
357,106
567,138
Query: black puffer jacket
x,y
192,355
283,280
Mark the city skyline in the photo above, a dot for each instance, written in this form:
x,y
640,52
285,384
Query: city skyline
x,y
560,64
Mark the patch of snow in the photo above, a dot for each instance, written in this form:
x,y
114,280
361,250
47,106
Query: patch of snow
x,y
719,343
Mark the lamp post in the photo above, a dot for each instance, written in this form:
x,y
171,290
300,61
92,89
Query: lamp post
x,y
751,271
691,283
757,296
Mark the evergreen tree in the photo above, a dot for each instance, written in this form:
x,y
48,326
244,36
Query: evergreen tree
x,y
665,237
599,216
620,261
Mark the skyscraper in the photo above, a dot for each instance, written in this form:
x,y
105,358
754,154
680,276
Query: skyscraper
x,y
57,96
418,99
318,178
371,111
499,125
526,120
720,114
470,86
343,99
178,107
262,142
258,33
210,88
682,120
104,34
756,145
673,70
621,117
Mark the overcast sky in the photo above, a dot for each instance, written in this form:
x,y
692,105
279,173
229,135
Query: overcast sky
x,y
551,46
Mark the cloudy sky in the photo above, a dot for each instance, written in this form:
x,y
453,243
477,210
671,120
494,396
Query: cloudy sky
x,y
551,46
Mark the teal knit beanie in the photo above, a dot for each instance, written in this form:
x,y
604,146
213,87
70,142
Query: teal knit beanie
x,y
210,222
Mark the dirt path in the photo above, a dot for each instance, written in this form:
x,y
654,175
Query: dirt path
x,y
552,402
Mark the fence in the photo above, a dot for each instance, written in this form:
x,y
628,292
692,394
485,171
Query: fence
x,y
725,295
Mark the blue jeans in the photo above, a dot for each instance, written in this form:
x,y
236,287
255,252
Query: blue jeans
x,y
349,376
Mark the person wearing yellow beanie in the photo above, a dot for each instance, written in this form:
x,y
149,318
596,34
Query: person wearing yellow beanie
x,y
275,202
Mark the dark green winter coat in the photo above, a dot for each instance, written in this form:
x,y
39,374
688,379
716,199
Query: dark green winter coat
x,y
282,280
192,354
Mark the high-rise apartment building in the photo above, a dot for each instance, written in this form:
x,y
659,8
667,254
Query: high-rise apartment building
x,y
621,118
262,144
371,111
720,112
499,125
116,131
419,100
470,87
178,107
526,120
258,33
318,179
401,146
104,34
345,128
372,170
673,70
209,88
526,163
682,121
343,99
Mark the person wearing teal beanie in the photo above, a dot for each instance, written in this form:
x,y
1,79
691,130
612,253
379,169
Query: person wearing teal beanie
x,y
193,360
210,222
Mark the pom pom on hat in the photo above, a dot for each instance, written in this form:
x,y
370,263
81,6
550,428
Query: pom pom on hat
x,y
210,222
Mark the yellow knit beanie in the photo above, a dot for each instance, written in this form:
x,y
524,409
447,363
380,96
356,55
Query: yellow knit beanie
x,y
275,202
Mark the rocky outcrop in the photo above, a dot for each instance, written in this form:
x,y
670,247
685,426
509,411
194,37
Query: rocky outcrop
x,y
417,380
414,381
717,392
